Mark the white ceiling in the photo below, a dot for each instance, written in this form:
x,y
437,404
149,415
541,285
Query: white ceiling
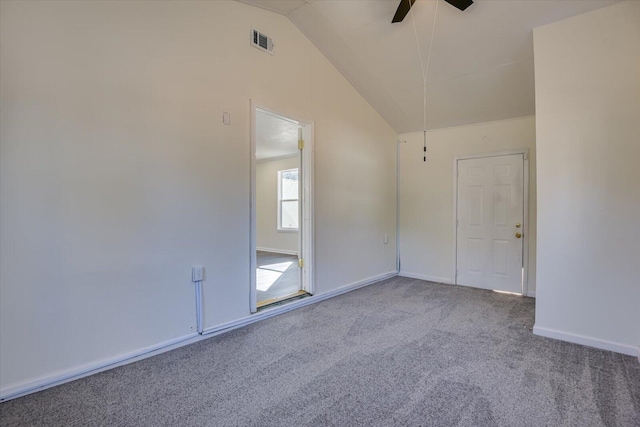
x,y
481,66
275,136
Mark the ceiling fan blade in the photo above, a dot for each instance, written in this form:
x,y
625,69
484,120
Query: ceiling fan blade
x,y
460,4
403,9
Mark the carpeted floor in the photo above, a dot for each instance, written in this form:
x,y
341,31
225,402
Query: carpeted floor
x,y
399,352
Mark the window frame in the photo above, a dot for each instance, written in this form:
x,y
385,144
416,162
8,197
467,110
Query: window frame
x,y
280,201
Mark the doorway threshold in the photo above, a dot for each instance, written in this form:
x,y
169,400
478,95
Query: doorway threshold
x,y
272,302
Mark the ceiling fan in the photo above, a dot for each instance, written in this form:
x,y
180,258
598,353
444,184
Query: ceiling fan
x,y
405,5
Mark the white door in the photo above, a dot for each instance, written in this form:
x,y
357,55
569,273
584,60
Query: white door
x,y
490,213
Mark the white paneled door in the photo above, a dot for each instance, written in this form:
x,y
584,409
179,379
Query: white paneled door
x,y
490,214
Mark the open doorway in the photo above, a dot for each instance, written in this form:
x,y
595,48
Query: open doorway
x,y
281,259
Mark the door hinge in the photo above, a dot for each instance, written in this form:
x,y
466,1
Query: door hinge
x,y
300,263
300,144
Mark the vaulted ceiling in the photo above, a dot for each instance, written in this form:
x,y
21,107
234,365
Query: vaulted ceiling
x,y
481,63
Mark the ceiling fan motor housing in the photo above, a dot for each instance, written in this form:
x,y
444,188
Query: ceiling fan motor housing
x,y
460,4
405,6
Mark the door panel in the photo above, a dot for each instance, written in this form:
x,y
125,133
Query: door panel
x,y
490,204
476,206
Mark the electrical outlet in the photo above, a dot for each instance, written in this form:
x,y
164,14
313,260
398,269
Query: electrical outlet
x,y
197,273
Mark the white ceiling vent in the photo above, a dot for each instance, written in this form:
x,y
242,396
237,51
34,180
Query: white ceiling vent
x,y
261,41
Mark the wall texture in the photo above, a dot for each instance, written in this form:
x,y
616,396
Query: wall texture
x,y
426,192
117,173
588,129
267,234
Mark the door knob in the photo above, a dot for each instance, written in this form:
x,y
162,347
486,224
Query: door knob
x,y
518,225
518,235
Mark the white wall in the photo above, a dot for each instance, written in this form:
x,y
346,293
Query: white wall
x,y
267,234
426,192
588,128
117,173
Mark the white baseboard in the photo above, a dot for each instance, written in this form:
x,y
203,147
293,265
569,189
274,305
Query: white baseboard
x,y
65,376
436,279
588,341
277,251
531,294
265,314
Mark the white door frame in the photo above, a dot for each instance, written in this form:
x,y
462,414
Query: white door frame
x,y
525,221
306,233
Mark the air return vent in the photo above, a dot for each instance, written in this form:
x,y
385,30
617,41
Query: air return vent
x,y
261,41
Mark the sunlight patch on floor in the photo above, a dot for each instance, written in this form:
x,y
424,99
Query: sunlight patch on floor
x,y
267,275
508,293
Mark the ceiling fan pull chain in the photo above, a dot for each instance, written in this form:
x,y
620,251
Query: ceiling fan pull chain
x,y
405,7
425,147
424,124
425,73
